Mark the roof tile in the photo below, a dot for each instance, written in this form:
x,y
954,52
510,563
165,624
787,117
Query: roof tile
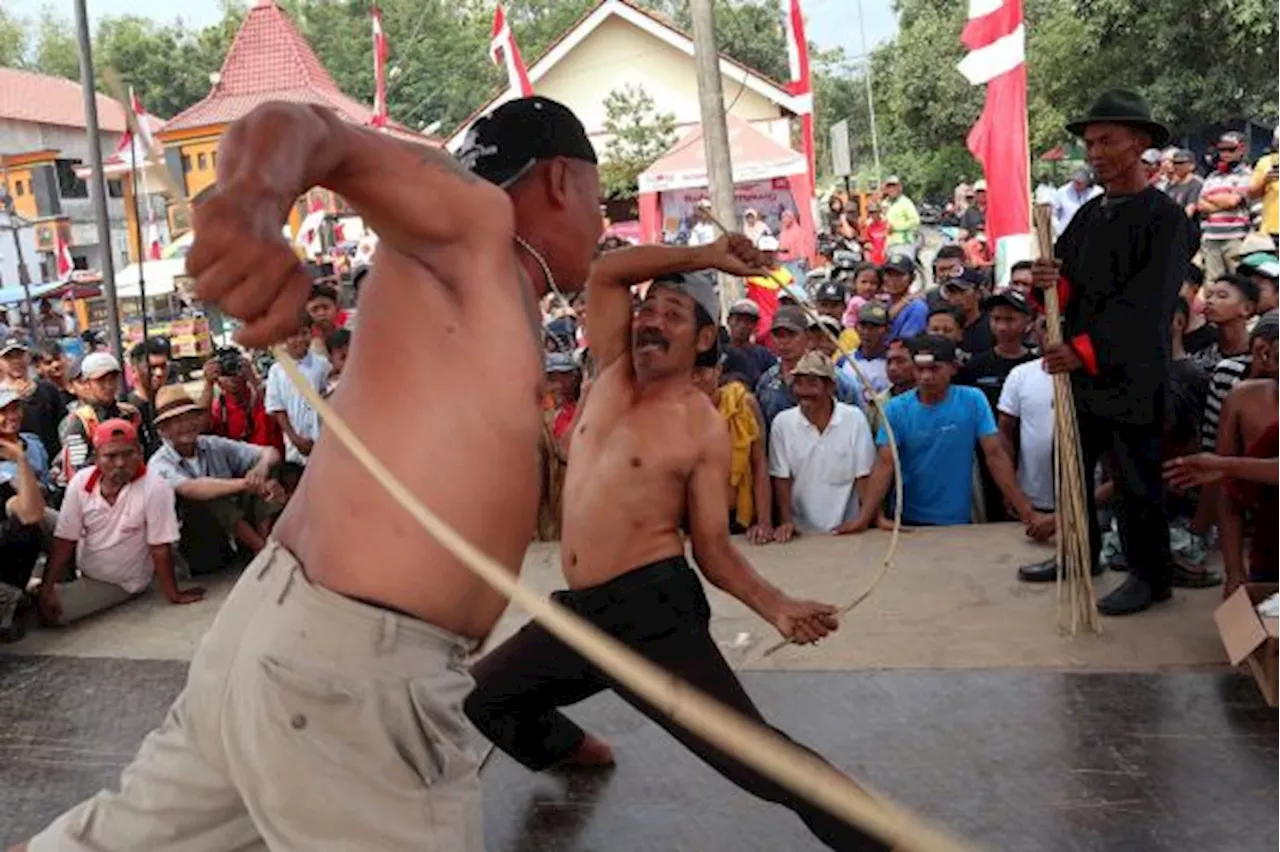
x,y
41,99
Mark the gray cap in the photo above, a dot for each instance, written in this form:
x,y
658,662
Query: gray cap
x,y
1082,173
699,286
8,396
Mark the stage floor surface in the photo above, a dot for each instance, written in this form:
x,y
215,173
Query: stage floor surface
x,y
950,690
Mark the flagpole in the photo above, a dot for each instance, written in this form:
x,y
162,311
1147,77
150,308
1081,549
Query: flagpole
x,y
871,103
137,227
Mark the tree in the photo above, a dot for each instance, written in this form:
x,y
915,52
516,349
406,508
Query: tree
x,y
13,39
638,136
56,52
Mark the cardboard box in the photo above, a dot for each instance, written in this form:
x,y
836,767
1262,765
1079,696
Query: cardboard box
x,y
1250,638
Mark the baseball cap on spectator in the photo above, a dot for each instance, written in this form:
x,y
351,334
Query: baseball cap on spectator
x,y
12,344
830,291
931,348
1082,173
966,279
1262,263
699,286
1182,155
1151,156
768,242
559,362
1231,139
831,324
980,185
814,363
115,430
744,307
901,264
98,364
1267,327
503,146
1256,242
873,313
1008,298
790,319
891,180
8,395
704,204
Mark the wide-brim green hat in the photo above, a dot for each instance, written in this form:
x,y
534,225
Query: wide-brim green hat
x,y
1122,106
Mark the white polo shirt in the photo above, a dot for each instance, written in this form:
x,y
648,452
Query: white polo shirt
x,y
1028,395
114,541
822,466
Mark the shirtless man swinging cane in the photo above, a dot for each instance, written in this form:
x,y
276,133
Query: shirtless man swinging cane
x,y
648,450
321,710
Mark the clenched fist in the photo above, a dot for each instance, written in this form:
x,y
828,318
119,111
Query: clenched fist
x,y
242,264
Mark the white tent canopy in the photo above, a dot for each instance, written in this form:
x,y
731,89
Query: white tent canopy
x,y
160,277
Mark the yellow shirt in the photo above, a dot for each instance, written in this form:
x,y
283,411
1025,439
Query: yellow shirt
x,y
849,341
1271,196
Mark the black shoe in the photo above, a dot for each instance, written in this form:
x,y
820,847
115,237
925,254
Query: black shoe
x,y
1133,596
1189,578
1040,572
1047,571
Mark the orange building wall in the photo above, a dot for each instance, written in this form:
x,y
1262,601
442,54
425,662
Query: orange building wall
x,y
18,185
199,165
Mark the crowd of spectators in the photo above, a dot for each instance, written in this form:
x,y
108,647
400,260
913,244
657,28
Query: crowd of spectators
x,y
105,499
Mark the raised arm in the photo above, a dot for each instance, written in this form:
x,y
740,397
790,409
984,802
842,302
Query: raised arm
x,y
420,202
616,272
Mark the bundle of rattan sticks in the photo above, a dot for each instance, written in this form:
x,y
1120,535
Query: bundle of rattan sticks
x,y
1077,605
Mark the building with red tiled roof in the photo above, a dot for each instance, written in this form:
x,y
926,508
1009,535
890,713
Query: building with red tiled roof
x,y
42,141
269,60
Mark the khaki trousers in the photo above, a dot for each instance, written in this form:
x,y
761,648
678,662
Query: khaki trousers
x,y
309,722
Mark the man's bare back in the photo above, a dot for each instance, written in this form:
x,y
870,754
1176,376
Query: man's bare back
x,y
626,489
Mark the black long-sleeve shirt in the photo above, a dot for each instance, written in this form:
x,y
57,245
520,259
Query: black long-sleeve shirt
x,y
1124,259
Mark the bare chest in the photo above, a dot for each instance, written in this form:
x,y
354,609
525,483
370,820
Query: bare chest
x,y
619,439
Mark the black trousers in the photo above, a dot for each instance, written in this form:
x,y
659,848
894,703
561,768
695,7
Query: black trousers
x,y
1139,490
660,611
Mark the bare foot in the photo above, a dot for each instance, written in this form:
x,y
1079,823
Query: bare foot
x,y
591,753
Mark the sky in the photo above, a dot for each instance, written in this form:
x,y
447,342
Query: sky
x,y
830,22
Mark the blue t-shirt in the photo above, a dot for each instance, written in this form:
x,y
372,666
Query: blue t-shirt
x,y
910,321
936,444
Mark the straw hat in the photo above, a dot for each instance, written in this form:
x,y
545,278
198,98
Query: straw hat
x,y
174,401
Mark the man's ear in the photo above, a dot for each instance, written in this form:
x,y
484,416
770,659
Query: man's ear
x,y
707,336
558,182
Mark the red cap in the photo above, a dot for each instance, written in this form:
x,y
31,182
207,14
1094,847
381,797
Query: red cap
x,y
115,430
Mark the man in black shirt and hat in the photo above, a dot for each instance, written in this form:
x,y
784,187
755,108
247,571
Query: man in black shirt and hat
x,y
1120,264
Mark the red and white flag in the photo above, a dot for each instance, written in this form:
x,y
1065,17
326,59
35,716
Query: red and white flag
x,y
997,42
503,49
379,70
801,85
62,254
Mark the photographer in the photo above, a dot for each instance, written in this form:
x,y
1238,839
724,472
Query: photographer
x,y
234,396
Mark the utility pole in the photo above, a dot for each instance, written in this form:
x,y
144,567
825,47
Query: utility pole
x,y
715,131
871,102
14,223
97,184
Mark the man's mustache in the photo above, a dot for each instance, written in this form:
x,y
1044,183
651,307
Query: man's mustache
x,y
647,336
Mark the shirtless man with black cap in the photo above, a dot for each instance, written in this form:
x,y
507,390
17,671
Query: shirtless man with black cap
x,y
322,708
649,453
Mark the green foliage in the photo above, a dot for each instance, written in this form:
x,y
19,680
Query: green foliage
x,y
55,45
638,136
13,39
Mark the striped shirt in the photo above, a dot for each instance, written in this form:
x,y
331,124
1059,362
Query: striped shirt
x,y
1224,377
1232,224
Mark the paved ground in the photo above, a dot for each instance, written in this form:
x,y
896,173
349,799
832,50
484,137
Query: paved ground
x,y
950,689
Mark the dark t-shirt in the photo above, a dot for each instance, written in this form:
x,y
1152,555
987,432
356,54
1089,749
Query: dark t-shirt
x,y
977,337
973,220
750,361
1200,340
42,411
1188,390
147,433
988,371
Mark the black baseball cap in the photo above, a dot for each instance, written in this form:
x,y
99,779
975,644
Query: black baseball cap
x,y
901,264
503,146
1008,298
831,291
932,348
873,313
967,278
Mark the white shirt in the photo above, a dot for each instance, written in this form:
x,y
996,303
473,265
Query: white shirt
x,y
115,540
1028,396
1067,200
703,234
822,466
283,396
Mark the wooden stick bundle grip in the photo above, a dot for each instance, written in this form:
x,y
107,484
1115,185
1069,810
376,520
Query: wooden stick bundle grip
x,y
1077,605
